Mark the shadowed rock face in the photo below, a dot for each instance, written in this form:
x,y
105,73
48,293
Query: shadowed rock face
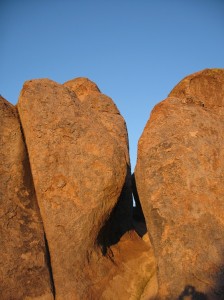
x,y
23,269
180,175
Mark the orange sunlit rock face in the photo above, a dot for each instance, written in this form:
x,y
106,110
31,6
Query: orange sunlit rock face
x,y
180,176
76,168
23,261
68,228
78,151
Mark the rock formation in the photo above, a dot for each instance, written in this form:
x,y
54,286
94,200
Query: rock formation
x,y
23,263
78,174
78,151
180,176
106,112
66,224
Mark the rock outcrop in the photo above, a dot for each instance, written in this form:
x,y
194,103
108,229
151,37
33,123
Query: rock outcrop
x,y
79,171
180,176
24,272
106,112
65,197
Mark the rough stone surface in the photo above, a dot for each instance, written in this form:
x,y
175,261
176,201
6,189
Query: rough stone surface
x,y
204,88
103,108
180,176
82,86
106,112
79,171
23,268
128,271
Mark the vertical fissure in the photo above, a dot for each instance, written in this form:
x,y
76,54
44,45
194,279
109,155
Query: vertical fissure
x,y
139,222
48,261
120,219
47,252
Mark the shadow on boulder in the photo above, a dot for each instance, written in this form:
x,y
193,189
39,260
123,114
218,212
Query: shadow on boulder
x,y
219,289
120,219
138,216
124,217
191,294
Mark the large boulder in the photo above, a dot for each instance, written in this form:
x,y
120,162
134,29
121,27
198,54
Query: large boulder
x,y
106,112
24,270
127,268
79,171
180,176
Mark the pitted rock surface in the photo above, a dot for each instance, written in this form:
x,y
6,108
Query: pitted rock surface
x,y
180,176
24,272
82,86
106,112
79,171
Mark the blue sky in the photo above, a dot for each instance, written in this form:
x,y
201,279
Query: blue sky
x,y
136,51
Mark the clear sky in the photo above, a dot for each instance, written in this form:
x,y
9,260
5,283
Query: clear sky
x,y
135,50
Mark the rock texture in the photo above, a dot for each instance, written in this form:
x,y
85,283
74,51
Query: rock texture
x,y
180,176
79,170
127,272
107,114
103,108
82,87
23,267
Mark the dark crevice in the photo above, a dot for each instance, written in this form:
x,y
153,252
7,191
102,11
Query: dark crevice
x,y
138,216
191,293
218,290
119,221
48,261
124,217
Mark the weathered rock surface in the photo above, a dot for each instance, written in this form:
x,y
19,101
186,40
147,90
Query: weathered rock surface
x,y
180,176
106,112
103,108
127,272
23,268
204,88
79,171
82,87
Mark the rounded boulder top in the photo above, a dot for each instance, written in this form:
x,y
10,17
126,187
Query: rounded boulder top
x,y
82,86
204,88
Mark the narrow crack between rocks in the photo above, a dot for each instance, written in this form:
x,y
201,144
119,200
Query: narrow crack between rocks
x,y
31,183
48,261
124,217
138,220
120,219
